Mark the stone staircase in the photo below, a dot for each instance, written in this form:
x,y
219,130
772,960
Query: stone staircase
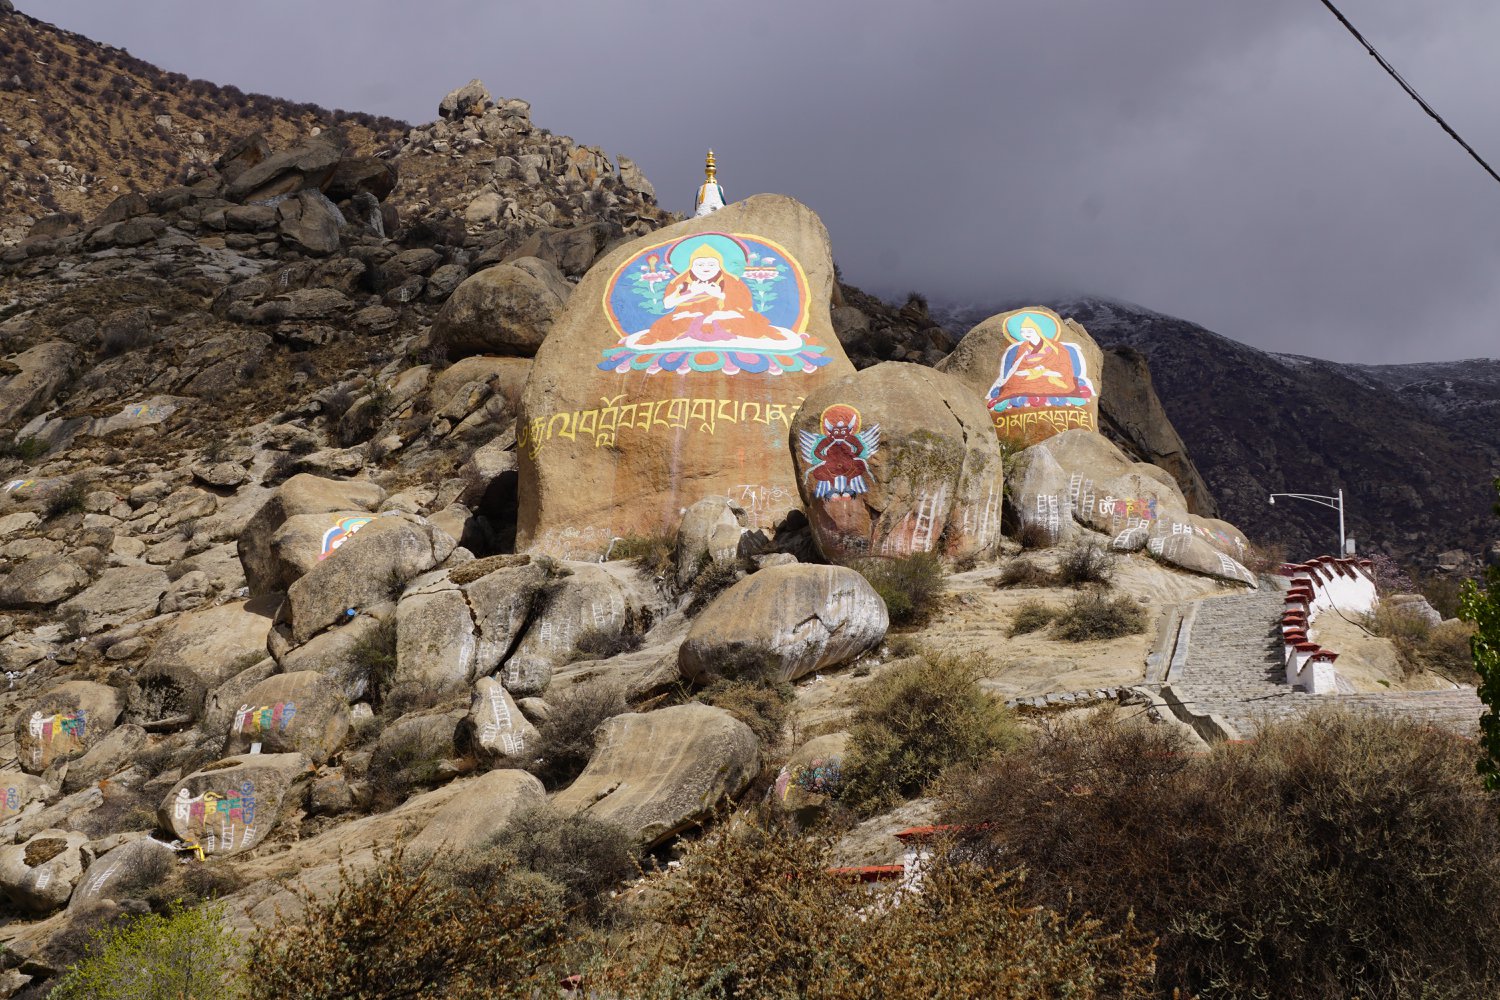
x,y
1227,678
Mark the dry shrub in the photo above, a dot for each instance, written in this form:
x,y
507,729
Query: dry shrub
x,y
1264,558
1338,857
654,555
567,735
1092,616
764,707
1086,563
1029,617
911,586
712,580
400,931
1034,535
914,721
1024,573
573,859
1422,646
760,915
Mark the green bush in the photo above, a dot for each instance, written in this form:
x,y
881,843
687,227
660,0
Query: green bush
x,y
1337,857
400,932
757,914
911,586
914,721
1092,616
186,953
1029,617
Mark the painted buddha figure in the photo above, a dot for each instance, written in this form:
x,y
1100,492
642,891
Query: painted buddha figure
x,y
707,305
1039,367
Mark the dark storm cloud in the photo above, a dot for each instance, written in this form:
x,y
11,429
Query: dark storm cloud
x,y
1242,164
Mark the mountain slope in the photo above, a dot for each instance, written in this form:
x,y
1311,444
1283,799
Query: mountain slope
x,y
82,122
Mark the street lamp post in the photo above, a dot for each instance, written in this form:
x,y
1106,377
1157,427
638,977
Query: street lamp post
x,y
1334,502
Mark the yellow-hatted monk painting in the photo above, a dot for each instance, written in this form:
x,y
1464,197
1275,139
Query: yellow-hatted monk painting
x,y
1039,369
711,302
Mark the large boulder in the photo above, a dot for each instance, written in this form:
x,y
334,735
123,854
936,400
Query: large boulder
x,y
111,755
65,723
369,569
673,374
481,809
272,566
310,222
41,582
124,871
37,376
898,459
507,309
1038,374
799,618
1077,484
120,593
231,805
201,650
302,712
659,773
602,601
39,875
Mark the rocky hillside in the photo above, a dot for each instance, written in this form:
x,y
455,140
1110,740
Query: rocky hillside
x,y
82,122
1414,447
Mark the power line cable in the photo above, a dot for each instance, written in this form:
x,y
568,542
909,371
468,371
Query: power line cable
x,y
1431,112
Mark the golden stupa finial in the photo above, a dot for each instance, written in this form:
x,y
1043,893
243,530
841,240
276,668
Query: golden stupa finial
x,y
709,169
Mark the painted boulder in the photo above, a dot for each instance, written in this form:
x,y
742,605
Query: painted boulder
x,y
800,618
807,783
271,567
231,805
673,374
499,727
65,723
1038,374
898,459
1078,484
38,876
303,712
659,773
368,570
19,790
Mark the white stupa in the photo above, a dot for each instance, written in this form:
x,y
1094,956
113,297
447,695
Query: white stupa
x,y
710,194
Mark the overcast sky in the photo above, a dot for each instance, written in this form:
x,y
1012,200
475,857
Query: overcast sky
x,y
1240,163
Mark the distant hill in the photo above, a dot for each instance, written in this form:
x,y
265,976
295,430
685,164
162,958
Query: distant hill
x,y
82,123
1414,447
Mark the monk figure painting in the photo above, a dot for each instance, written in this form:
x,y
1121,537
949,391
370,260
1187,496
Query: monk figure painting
x,y
836,459
1039,368
711,302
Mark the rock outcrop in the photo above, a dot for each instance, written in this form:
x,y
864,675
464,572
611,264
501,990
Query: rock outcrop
x,y
673,374
1078,482
230,806
898,459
